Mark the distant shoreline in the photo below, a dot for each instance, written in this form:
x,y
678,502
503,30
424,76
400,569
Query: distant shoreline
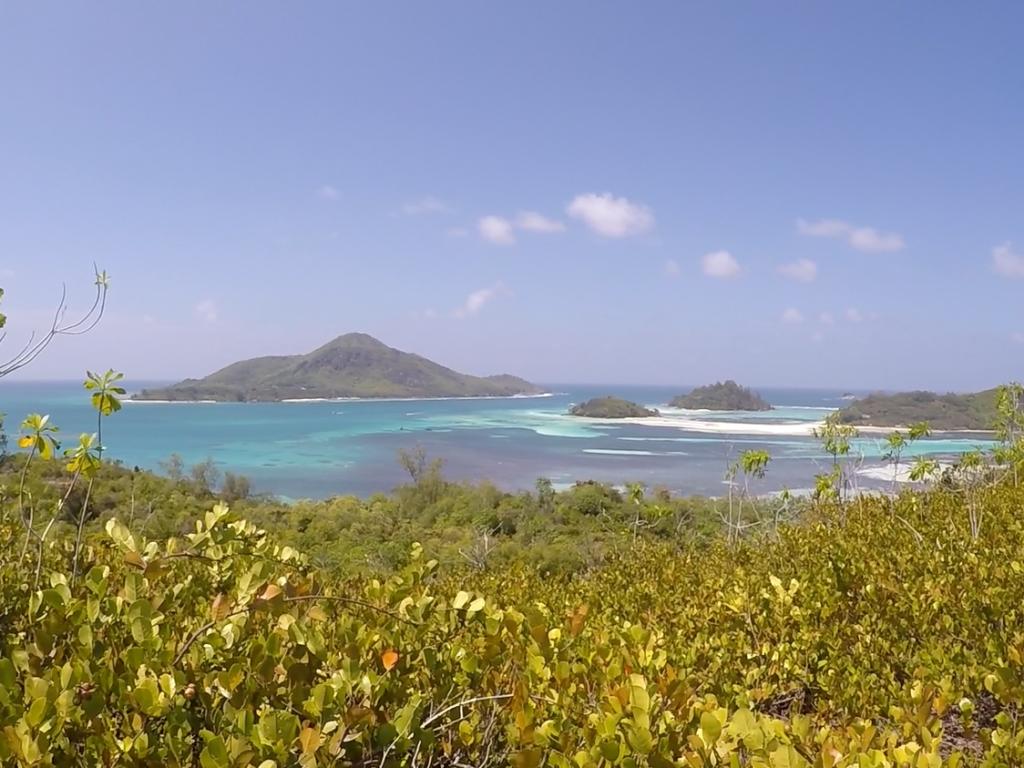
x,y
679,419
340,399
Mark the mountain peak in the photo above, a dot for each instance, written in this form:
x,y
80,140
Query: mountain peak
x,y
351,365
355,339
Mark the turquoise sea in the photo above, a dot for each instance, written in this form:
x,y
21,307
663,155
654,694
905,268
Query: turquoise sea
x,y
319,449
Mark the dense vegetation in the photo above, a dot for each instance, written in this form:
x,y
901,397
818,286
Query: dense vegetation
x,y
460,524
353,365
847,630
975,411
611,408
723,396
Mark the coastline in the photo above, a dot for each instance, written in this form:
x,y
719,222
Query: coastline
x,y
339,399
886,430
778,429
791,429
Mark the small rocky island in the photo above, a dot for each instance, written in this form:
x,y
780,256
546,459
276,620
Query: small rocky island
x,y
723,396
611,408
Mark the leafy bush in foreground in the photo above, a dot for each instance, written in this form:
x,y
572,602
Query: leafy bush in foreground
x,y
858,642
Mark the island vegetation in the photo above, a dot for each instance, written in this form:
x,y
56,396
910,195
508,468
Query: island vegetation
x,y
975,412
352,365
611,408
722,396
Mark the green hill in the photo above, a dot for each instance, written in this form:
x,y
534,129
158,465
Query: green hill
x,y
723,396
611,408
353,365
951,411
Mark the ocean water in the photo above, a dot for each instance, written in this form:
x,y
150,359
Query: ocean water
x,y
320,449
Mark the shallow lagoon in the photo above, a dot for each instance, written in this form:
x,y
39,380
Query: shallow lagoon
x,y
317,449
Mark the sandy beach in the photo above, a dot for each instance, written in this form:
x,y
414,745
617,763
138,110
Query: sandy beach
x,y
689,424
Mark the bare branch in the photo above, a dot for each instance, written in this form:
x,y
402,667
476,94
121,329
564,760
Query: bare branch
x,y
38,342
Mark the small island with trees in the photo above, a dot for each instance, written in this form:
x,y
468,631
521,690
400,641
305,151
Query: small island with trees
x,y
722,396
950,412
611,408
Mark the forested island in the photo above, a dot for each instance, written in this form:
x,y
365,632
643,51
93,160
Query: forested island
x,y
611,408
352,365
723,396
975,411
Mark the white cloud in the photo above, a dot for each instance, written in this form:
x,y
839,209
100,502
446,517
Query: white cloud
x,y
823,228
792,316
802,270
206,310
817,337
872,241
429,314
497,230
611,216
1017,338
532,221
327,192
475,301
825,318
426,205
672,268
854,315
720,264
1006,262
866,239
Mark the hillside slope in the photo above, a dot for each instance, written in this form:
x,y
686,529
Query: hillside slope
x,y
976,411
353,365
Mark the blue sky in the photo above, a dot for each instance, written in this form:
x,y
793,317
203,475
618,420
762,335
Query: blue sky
x,y
794,194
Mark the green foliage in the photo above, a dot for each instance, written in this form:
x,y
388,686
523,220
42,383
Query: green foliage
x,y
839,644
944,412
723,396
38,436
745,512
611,408
1010,428
836,437
837,440
84,458
923,469
105,391
565,532
754,463
897,442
